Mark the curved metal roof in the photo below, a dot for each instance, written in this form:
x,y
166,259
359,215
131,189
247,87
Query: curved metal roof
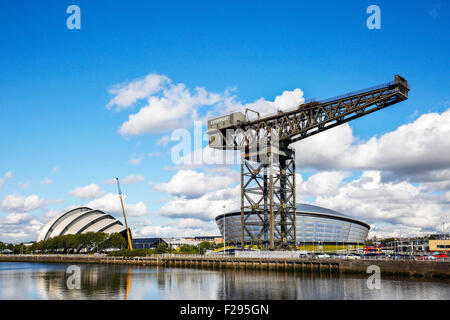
x,y
80,220
310,209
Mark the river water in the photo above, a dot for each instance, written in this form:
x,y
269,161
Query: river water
x,y
21,280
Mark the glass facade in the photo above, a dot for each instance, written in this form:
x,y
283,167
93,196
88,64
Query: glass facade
x,y
310,228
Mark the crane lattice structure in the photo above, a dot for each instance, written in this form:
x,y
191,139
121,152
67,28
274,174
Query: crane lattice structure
x,y
268,161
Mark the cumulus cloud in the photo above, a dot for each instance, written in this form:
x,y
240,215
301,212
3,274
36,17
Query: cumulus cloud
x,y
412,151
194,184
165,106
286,101
19,227
133,178
206,207
182,228
320,184
401,204
90,191
7,176
110,203
22,204
126,94
173,109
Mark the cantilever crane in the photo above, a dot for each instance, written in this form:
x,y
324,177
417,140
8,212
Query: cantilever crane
x,y
130,247
268,162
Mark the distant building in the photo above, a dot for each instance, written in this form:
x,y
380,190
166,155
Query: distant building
x,y
146,243
407,246
439,245
315,227
206,238
178,242
218,240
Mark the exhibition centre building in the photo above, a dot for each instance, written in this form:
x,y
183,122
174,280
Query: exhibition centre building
x,y
81,220
314,225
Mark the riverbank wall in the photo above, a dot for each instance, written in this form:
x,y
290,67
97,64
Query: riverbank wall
x,y
417,269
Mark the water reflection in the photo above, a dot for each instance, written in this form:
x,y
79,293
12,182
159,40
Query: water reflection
x,y
49,281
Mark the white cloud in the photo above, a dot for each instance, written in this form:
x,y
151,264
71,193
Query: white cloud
x,y
413,149
322,183
136,161
173,109
15,218
19,227
164,140
182,228
125,95
46,181
194,184
8,175
401,204
24,185
167,106
22,204
286,101
55,169
206,207
110,203
87,192
133,178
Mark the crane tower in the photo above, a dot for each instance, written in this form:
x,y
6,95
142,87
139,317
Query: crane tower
x,y
268,161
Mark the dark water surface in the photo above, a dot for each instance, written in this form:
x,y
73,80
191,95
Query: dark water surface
x,y
21,280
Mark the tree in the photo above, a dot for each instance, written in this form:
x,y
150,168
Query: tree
x,y
19,248
205,245
162,248
115,240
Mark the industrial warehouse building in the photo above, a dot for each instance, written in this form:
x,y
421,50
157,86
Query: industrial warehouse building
x,y
315,226
81,220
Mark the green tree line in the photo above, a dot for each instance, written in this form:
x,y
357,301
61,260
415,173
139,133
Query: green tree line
x,y
70,243
98,242
164,248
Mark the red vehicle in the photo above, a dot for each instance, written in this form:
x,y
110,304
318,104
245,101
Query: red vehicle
x,y
441,255
372,248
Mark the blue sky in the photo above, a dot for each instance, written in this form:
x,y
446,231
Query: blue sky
x,y
55,84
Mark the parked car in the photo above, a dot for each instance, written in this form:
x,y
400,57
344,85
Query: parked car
x,y
441,255
404,257
353,256
321,256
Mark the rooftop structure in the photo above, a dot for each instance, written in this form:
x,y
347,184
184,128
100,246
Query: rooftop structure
x,y
81,220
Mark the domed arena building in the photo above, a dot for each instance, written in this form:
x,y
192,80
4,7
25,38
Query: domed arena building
x,y
316,228
81,220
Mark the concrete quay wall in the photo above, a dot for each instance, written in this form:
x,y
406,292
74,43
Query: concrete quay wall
x,y
433,269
